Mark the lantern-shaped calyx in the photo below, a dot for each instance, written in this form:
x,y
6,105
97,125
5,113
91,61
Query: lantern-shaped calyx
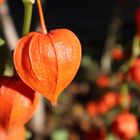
x,y
17,103
48,62
15,134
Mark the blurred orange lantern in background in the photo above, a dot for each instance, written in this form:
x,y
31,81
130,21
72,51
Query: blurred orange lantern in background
x,y
1,2
17,103
125,125
110,99
117,54
102,81
91,108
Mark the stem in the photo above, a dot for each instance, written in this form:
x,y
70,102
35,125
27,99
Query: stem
x,y
42,22
7,25
28,7
124,96
135,53
38,120
136,46
110,43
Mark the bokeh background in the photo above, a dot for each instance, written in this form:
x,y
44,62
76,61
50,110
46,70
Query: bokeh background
x,y
88,106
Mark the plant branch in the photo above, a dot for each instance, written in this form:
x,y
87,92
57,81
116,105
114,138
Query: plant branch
x,y
28,8
8,26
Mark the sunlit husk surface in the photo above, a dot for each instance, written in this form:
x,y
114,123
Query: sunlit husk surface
x,y
48,63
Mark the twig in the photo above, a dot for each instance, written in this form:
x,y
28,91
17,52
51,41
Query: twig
x,y
8,26
110,42
38,120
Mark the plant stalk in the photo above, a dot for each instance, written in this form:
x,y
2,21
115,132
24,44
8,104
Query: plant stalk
x,y
28,7
41,16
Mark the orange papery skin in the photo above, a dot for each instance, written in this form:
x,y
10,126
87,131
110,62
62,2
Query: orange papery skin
x,y
48,62
17,103
1,1
16,134
125,126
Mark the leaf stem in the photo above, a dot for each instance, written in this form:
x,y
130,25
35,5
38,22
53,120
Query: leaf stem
x,y
42,22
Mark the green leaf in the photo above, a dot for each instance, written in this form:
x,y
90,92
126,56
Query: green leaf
x,y
9,69
138,137
60,134
28,134
111,137
2,42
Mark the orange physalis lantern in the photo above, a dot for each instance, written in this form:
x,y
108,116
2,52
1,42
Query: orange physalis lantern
x,y
1,2
17,103
48,62
125,126
16,134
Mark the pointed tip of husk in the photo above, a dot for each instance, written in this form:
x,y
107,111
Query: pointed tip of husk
x,y
54,103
